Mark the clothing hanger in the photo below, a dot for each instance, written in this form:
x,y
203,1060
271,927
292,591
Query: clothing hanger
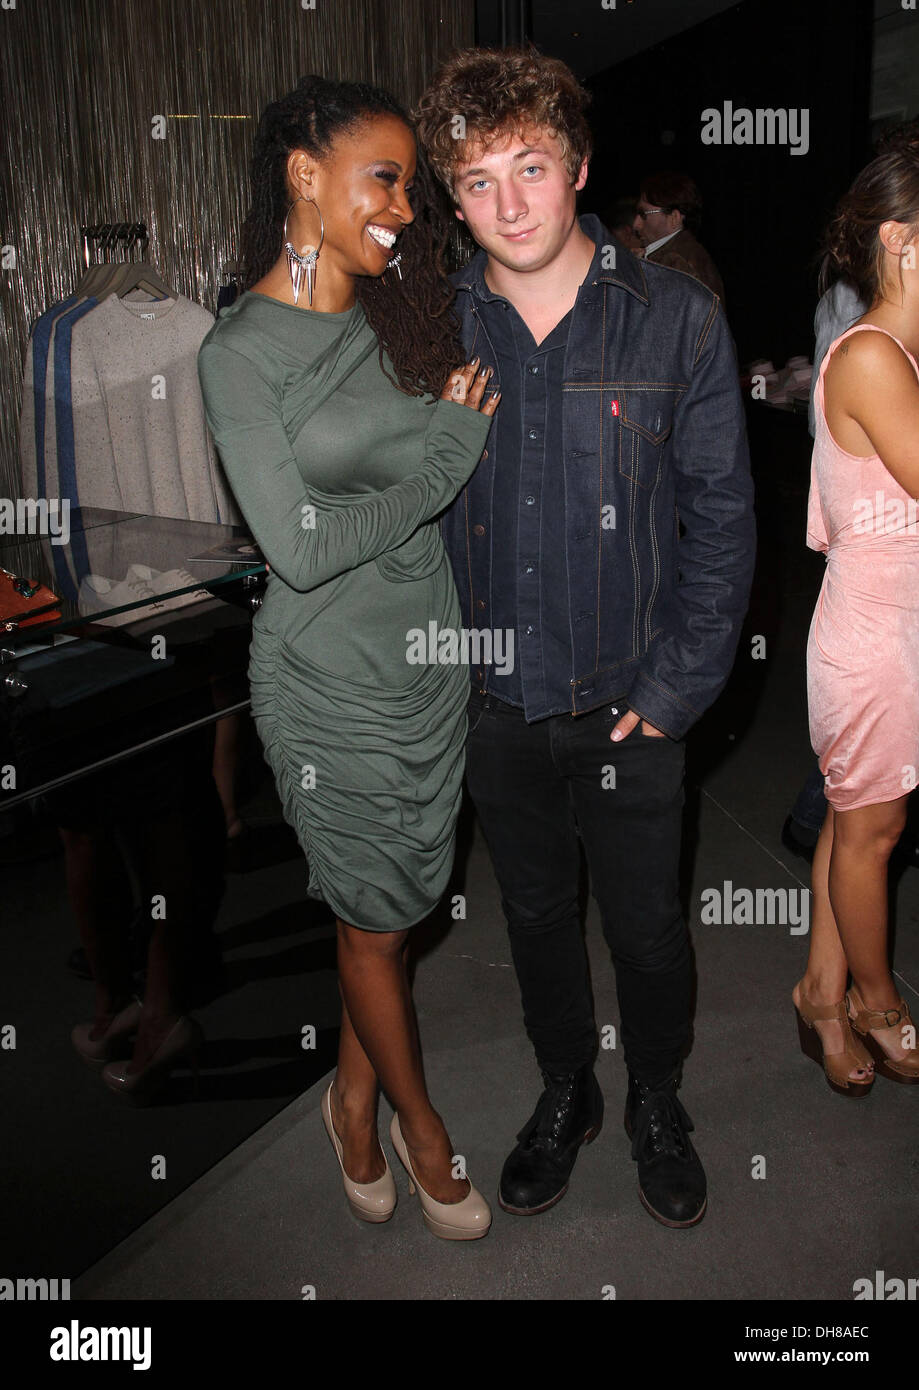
x,y
142,275
98,278
120,277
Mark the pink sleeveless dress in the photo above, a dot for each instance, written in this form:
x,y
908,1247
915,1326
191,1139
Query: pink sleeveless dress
x,y
863,646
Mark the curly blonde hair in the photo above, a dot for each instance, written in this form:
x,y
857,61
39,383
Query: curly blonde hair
x,y
480,95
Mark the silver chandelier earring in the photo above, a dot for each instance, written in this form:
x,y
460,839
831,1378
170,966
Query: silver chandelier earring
x,y
297,263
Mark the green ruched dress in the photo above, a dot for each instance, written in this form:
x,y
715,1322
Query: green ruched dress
x,y
340,475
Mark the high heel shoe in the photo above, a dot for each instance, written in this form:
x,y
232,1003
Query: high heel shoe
x,y
184,1040
371,1201
97,1051
902,1069
465,1220
836,1065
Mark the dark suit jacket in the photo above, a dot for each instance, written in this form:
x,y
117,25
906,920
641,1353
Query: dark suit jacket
x,y
684,253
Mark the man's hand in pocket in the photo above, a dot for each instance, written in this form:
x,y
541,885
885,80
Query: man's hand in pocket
x,y
627,724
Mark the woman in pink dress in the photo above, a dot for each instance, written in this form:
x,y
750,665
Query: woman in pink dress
x,y
863,648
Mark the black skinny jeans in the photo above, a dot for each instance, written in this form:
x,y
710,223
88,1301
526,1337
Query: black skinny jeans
x,y
535,787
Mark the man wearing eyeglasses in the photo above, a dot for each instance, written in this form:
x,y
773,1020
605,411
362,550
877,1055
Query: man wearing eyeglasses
x,y
669,205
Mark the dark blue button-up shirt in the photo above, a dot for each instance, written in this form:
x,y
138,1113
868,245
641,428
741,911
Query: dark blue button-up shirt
x,y
527,522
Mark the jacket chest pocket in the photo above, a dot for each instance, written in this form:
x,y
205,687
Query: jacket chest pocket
x,y
645,424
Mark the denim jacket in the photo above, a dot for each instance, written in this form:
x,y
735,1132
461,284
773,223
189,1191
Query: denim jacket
x,y
654,441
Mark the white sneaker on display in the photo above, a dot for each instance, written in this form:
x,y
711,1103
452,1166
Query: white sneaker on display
x,y
97,595
164,582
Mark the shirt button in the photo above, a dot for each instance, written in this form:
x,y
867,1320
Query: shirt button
x,y
533,434
529,501
528,569
530,629
480,603
479,530
534,369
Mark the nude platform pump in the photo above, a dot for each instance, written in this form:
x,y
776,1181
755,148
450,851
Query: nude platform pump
x,y
371,1201
469,1219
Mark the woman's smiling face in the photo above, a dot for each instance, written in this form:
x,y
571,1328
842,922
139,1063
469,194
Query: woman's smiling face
x,y
362,188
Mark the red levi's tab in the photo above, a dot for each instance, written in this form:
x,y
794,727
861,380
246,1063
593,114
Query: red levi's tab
x,y
614,407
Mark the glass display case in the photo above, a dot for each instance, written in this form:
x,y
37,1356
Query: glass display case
x,y
150,641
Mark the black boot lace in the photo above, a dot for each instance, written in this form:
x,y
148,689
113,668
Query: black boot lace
x,y
660,1126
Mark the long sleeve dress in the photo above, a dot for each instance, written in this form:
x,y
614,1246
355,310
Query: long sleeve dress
x,y
340,476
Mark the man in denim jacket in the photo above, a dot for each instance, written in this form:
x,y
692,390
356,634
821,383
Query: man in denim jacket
x,y
607,533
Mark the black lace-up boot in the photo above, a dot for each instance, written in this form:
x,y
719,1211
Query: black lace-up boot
x,y
569,1113
671,1179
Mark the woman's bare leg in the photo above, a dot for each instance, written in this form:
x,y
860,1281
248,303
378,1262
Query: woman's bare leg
x,y
827,972
380,1043
355,1092
227,738
863,842
101,900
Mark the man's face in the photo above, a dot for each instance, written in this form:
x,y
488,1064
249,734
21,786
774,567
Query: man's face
x,y
652,223
516,197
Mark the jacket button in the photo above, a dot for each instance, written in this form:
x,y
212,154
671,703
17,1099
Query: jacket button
x,y
480,603
479,530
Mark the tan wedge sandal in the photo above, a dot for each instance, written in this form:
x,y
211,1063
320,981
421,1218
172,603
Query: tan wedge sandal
x,y
836,1065
902,1069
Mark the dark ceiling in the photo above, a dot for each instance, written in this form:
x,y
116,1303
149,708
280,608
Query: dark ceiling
x,y
590,35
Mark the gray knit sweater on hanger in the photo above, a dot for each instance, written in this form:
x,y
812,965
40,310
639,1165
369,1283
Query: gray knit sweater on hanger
x,y
141,442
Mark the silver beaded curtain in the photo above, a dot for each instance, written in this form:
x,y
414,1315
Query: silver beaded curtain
x,y
84,84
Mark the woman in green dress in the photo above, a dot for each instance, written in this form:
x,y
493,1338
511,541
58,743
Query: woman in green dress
x,y
345,427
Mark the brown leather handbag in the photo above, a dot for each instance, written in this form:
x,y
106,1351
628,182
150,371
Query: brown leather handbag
x,y
26,602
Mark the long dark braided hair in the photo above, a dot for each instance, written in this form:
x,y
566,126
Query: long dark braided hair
x,y
412,318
